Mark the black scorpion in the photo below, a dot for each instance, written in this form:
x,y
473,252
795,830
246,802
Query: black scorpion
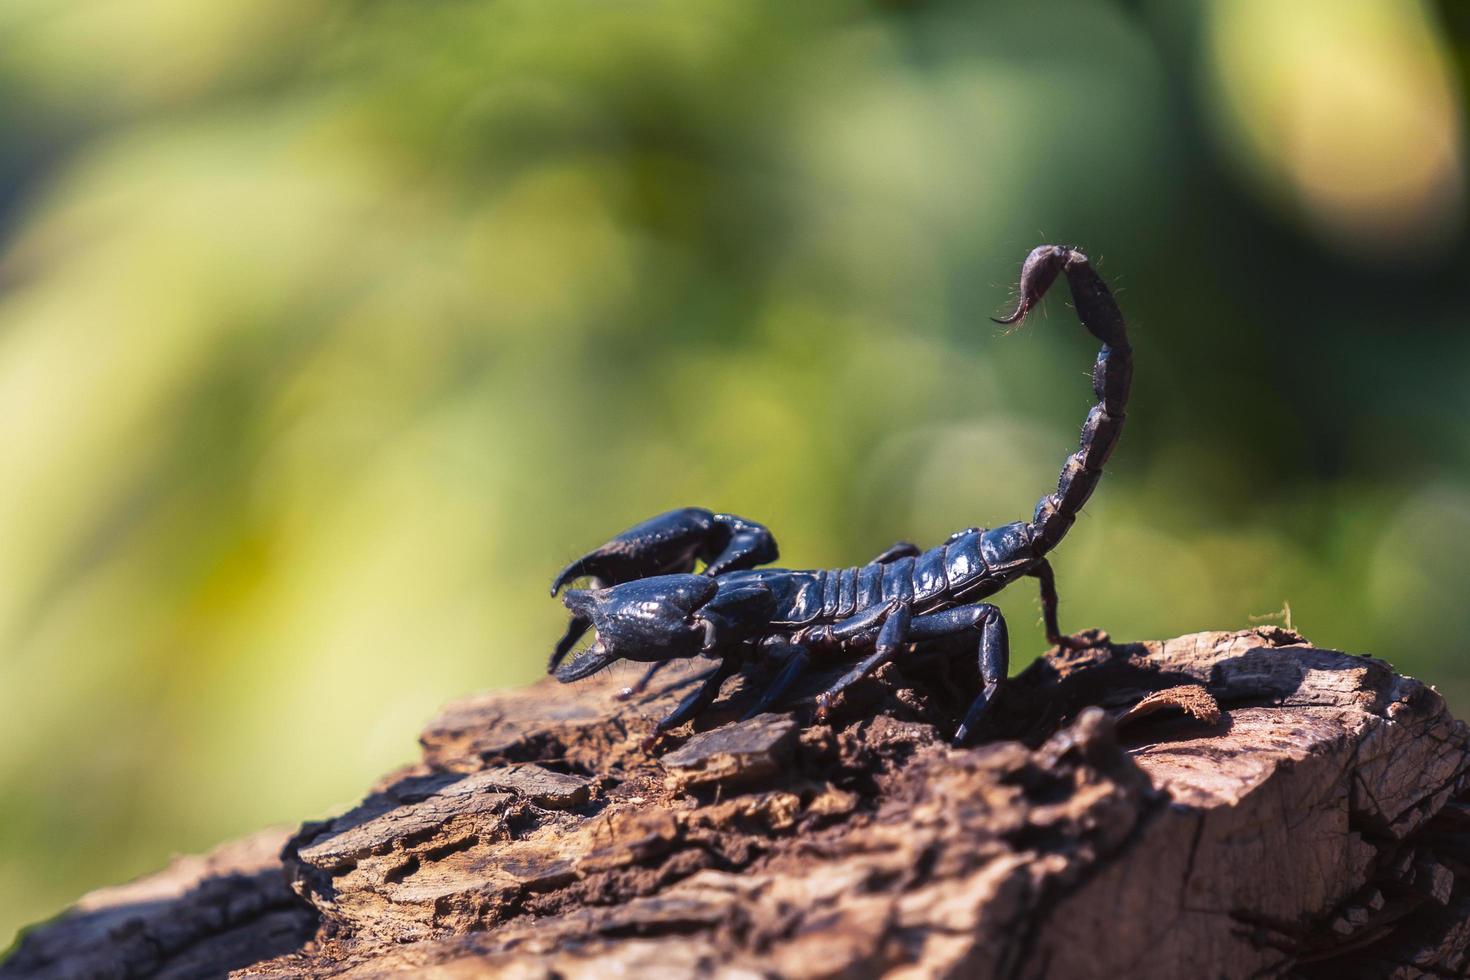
x,y
647,606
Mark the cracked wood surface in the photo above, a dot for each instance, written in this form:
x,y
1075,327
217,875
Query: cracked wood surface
x,y
1223,804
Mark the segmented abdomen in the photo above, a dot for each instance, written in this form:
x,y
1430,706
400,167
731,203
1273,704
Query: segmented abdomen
x,y
968,567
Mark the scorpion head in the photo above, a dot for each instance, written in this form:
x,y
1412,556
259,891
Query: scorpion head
x,y
646,619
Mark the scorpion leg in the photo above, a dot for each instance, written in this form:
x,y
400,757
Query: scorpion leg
x,y
699,698
891,638
848,629
995,651
796,665
1044,575
904,549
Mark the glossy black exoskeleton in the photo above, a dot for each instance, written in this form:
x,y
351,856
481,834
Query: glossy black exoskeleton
x,y
648,606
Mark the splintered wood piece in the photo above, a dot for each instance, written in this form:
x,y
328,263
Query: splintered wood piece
x,y
1191,699
740,752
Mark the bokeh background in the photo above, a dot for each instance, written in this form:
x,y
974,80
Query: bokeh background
x,y
330,329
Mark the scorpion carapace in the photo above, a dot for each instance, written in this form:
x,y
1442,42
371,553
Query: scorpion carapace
x,y
647,605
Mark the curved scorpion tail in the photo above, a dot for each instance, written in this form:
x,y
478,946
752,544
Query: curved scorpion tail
x,y
1111,376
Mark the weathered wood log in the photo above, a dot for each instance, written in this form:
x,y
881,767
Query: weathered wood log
x,y
1224,804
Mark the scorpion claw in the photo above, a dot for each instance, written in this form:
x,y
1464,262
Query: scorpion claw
x,y
670,544
567,575
594,659
576,628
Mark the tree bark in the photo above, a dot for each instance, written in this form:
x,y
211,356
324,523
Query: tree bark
x,y
1222,805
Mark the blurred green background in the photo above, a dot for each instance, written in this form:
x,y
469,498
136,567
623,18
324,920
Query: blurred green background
x,y
330,329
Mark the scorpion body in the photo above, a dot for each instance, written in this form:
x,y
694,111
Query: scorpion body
x,y
970,566
648,606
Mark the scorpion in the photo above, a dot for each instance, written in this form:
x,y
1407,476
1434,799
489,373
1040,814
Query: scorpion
x,y
647,605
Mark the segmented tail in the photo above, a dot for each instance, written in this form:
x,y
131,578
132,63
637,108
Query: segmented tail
x,y
1112,374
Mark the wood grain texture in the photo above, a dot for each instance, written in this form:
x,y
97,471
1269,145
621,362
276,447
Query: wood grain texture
x,y
1223,804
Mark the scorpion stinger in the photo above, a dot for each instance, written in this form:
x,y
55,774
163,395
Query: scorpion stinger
x,y
1037,274
649,608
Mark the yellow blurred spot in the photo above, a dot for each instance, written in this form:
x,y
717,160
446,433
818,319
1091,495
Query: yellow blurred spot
x,y
1346,108
142,52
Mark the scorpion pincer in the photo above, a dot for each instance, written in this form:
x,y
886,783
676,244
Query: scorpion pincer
x,y
647,605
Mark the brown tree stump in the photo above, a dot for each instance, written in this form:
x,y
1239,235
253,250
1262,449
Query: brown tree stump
x,y
1218,805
